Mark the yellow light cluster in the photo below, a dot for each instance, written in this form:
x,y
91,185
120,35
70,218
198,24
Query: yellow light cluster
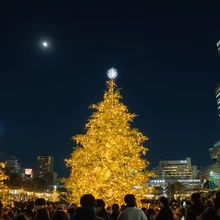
x,y
3,177
106,161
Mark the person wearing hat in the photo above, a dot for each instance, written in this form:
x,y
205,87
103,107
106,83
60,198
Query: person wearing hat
x,y
40,203
41,212
60,213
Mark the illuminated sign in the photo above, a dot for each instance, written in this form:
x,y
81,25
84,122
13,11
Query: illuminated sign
x,y
181,181
28,172
189,181
157,181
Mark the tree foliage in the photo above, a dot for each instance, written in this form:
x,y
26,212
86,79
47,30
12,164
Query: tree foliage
x,y
108,159
3,178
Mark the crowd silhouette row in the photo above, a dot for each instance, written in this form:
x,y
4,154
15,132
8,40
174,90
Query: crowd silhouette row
x,y
95,209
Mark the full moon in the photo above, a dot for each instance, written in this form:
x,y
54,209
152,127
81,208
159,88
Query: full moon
x,y
45,44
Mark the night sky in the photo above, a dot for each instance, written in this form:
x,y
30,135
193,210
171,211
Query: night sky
x,y
166,59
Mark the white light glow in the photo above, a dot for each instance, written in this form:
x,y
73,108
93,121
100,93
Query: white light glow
x,y
45,44
112,73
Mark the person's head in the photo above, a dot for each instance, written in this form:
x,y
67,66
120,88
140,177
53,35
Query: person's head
x,y
153,216
73,206
163,201
10,214
216,205
149,212
42,214
196,198
123,207
191,216
40,203
144,209
130,200
217,195
100,204
30,207
87,200
60,207
115,208
108,209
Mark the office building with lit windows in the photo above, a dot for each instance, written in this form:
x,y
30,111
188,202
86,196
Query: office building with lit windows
x,y
212,172
218,47
175,170
214,153
45,164
217,95
12,166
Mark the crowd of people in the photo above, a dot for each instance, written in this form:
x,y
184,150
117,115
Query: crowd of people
x,y
95,209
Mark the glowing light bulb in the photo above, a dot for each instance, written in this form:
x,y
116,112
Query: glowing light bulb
x,y
112,73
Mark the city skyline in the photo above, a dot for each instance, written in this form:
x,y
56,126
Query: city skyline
x,y
54,67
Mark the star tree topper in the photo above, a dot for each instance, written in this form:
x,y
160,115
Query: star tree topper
x,y
112,73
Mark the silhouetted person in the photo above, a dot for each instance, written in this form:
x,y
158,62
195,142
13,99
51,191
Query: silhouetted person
x,y
87,211
196,207
115,212
131,212
165,212
100,209
214,212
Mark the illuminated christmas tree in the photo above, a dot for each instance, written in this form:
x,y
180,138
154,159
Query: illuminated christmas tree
x,y
3,177
107,161
55,195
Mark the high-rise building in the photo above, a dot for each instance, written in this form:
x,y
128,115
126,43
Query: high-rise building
x,y
12,166
212,172
175,170
214,153
45,164
218,47
217,95
195,172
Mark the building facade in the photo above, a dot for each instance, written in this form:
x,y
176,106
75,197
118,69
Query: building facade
x,y
12,166
45,165
218,47
174,170
212,172
217,95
